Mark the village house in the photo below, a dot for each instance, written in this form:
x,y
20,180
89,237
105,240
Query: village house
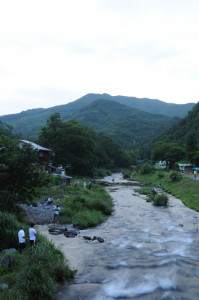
x,y
43,153
185,167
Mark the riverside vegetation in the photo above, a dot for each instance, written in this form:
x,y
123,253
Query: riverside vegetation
x,y
34,274
174,182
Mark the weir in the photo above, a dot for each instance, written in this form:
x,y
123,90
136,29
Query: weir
x,y
149,252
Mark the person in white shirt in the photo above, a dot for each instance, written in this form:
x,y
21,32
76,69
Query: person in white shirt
x,y
32,235
56,214
22,239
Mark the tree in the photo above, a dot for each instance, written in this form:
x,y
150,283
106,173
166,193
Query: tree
x,y
19,172
171,152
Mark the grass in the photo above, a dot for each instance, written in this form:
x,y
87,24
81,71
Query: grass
x,y
86,209
34,273
185,188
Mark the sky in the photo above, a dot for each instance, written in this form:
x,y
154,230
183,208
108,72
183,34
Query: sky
x,y
53,52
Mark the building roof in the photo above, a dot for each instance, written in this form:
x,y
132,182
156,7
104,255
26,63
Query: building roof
x,y
35,146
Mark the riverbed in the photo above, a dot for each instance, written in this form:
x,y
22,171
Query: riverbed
x,y
148,252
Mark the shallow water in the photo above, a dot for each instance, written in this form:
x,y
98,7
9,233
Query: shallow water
x,y
149,252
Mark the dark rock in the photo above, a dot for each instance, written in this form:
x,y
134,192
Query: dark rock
x,y
94,238
87,237
34,204
6,261
11,250
56,233
100,240
69,234
73,231
181,225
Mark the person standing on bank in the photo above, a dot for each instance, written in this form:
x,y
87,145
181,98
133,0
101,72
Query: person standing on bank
x,y
56,214
22,239
32,235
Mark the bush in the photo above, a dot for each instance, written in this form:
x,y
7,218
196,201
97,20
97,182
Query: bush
x,y
160,200
88,218
175,176
146,168
160,175
126,173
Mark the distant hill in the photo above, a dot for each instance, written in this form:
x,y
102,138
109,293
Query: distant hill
x,y
128,127
30,122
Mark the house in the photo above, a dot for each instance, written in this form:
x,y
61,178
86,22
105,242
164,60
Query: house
x,y
185,167
43,153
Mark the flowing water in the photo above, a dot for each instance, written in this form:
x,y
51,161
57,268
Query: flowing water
x,y
149,252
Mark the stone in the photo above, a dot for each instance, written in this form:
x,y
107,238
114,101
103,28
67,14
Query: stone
x,y
11,250
69,234
87,237
5,261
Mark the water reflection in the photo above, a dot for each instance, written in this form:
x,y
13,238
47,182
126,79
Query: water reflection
x,y
149,252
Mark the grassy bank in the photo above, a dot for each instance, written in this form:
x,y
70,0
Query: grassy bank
x,y
183,187
34,273
81,207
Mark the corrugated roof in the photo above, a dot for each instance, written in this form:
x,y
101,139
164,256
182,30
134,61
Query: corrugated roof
x,y
35,146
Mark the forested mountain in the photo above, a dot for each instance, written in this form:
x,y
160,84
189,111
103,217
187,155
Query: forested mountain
x,y
29,122
186,129
129,127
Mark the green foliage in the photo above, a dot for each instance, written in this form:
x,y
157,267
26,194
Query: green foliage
x,y
19,172
82,148
9,227
170,152
175,176
186,189
87,209
160,200
146,168
126,173
35,272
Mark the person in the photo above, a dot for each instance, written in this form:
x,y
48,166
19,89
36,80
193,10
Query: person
x,y
89,186
22,239
56,214
85,185
32,235
154,191
195,173
50,200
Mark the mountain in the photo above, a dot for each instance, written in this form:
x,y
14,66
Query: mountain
x,y
185,128
30,122
128,127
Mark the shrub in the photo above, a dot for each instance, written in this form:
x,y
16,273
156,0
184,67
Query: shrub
x,y
175,176
160,200
160,175
126,173
146,168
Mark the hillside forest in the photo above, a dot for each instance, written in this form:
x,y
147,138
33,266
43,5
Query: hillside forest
x,y
102,137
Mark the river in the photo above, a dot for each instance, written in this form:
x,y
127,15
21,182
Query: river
x,y
149,252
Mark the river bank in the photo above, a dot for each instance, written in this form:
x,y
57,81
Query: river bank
x,y
148,252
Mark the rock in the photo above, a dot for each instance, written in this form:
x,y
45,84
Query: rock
x,y
72,231
56,233
69,234
87,237
5,261
100,240
34,204
11,250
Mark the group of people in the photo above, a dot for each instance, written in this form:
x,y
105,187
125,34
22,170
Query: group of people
x,y
22,238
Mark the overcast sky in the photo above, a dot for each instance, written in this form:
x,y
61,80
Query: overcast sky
x,y
55,51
